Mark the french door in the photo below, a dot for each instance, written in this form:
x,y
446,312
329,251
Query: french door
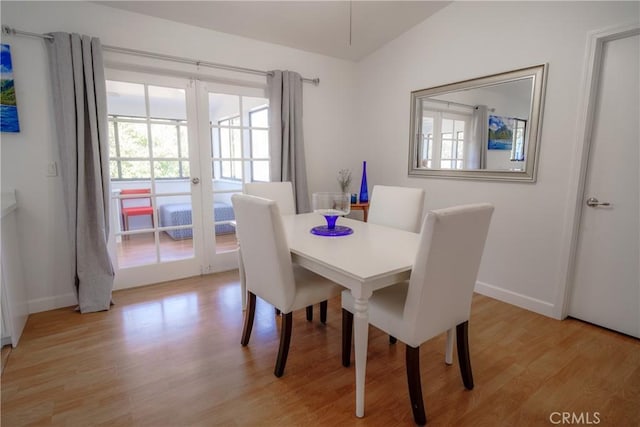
x,y
178,150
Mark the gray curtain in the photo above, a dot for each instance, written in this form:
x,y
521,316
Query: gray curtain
x,y
286,142
475,156
80,104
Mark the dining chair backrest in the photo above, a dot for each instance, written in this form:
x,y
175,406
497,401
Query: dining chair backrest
x,y
445,270
265,252
280,192
397,207
132,202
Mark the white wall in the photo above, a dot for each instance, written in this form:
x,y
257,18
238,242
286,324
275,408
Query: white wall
x,y
359,112
523,260
327,115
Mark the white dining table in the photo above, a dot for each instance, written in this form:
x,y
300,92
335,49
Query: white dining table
x,y
371,258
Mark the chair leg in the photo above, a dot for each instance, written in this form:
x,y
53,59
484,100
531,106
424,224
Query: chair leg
x,y
448,352
462,339
415,386
323,311
392,339
347,331
248,319
309,313
125,223
285,340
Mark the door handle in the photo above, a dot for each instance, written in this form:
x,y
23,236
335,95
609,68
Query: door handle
x,y
195,180
594,203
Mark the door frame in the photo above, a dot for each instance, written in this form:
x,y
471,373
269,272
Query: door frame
x,y
591,79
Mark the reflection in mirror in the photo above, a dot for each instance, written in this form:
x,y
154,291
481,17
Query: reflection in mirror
x,y
485,128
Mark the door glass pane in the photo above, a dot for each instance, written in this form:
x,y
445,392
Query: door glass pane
x,y
112,140
135,169
255,111
260,170
175,216
134,141
136,249
223,106
165,140
176,248
125,99
184,142
225,230
166,169
259,143
167,103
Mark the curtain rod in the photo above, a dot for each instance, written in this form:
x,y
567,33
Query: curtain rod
x,y
12,31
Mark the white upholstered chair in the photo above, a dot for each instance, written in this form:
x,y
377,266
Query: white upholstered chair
x,y
281,192
437,296
269,272
397,207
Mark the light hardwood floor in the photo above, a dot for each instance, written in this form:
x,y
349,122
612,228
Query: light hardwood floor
x,y
170,355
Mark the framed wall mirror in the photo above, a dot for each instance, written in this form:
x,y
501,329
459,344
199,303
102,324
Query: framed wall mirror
x,y
485,128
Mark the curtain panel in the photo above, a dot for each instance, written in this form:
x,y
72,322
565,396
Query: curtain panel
x,y
475,156
286,140
80,105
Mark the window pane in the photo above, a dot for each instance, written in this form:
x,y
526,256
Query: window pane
x,y
446,150
112,140
132,169
125,99
186,171
427,125
133,140
165,140
167,103
137,249
260,171
260,143
236,167
184,142
225,143
460,153
459,126
258,115
222,106
113,169
447,126
445,164
236,149
166,169
225,169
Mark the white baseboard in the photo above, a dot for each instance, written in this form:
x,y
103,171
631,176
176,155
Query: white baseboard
x,y
523,301
51,303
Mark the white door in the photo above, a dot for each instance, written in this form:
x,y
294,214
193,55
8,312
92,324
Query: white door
x,y
234,134
606,288
155,179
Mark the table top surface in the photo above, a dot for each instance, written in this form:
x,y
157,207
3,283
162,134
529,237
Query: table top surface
x,y
372,251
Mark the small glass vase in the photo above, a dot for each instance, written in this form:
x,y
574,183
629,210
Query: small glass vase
x,y
364,192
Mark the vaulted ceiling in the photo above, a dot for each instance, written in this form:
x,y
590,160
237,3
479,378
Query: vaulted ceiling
x,y
342,29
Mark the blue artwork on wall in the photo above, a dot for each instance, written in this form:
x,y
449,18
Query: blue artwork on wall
x,y
500,132
8,108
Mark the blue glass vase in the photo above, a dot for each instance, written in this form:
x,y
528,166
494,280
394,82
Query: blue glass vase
x,y
364,192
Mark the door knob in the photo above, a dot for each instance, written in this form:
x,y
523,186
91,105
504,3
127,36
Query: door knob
x,y
594,203
195,180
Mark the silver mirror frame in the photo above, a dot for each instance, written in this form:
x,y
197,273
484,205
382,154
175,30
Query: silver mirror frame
x,y
539,75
